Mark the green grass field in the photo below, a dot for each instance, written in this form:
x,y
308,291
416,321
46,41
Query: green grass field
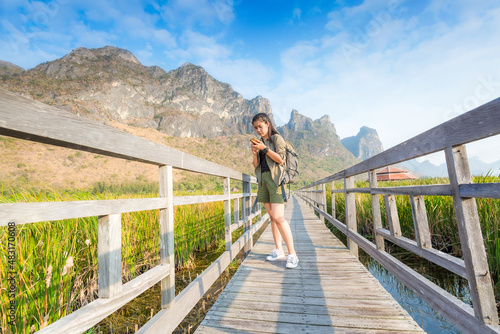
x,y
441,217
56,262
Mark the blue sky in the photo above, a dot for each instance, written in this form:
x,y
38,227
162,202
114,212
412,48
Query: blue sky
x,y
398,66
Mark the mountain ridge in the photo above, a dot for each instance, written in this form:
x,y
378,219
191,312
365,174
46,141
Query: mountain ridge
x,y
110,85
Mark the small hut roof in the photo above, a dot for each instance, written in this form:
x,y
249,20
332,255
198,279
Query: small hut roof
x,y
393,173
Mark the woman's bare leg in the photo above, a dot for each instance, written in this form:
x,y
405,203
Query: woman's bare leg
x,y
278,214
274,227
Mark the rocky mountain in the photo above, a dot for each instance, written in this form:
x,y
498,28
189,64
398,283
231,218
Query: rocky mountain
x,y
111,84
317,143
7,68
365,144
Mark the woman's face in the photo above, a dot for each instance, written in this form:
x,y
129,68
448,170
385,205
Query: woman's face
x,y
261,128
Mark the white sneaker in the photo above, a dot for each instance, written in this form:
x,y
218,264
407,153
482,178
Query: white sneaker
x,y
292,261
275,255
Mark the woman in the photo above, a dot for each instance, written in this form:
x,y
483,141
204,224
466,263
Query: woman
x,y
268,158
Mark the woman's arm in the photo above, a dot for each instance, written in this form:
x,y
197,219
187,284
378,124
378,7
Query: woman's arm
x,y
275,156
278,158
255,158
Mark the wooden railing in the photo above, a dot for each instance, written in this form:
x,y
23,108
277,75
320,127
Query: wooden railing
x,y
451,138
23,118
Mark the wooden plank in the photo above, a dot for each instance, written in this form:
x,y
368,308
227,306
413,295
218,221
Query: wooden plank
x,y
428,190
323,200
167,254
350,214
358,190
61,128
231,325
91,314
380,313
315,319
227,214
366,305
442,259
420,222
186,200
471,238
334,214
376,214
246,207
392,215
25,213
109,248
480,190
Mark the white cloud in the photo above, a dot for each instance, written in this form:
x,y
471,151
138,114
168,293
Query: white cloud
x,y
247,76
297,12
404,79
189,13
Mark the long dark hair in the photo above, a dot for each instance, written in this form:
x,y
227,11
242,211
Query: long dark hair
x,y
265,118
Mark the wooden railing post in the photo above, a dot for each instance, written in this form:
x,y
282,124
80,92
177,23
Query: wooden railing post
x,y
227,213
109,248
247,189
167,236
377,217
323,201
334,214
350,214
236,208
392,215
420,222
471,238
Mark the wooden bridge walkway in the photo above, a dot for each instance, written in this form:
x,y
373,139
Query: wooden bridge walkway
x,y
330,290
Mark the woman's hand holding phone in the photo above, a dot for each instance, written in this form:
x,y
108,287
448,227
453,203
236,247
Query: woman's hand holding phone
x,y
255,145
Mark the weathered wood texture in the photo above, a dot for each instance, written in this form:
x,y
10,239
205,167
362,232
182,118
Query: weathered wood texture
x,y
471,238
24,118
330,291
376,214
167,235
90,314
350,214
109,231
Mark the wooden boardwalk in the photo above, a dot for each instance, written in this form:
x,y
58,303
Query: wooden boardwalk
x,y
329,292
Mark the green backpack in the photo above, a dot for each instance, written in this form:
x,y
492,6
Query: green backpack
x,y
291,165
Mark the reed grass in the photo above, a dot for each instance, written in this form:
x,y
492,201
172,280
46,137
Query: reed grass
x,y
56,262
441,217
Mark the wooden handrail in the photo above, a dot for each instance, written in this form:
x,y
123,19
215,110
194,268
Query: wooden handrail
x,y
451,138
24,118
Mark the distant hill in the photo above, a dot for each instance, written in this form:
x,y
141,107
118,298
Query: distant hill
x,y
318,144
365,144
7,68
426,168
110,85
